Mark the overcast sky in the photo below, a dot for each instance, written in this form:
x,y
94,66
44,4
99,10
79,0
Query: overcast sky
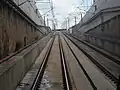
x,y
64,9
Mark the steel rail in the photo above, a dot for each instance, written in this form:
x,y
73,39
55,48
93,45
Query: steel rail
x,y
101,67
81,66
37,81
66,79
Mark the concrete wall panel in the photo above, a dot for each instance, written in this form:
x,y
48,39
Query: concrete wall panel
x,y
109,45
13,70
15,31
31,10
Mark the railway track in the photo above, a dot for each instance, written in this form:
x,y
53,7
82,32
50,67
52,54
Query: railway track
x,y
62,65
37,81
105,70
81,66
65,75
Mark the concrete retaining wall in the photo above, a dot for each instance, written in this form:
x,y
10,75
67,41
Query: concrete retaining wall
x,y
15,31
109,28
106,35
13,70
31,10
109,44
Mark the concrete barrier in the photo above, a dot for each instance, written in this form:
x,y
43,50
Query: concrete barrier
x,y
108,44
13,70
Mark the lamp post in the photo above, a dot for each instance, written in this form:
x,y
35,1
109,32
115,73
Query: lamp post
x,y
68,22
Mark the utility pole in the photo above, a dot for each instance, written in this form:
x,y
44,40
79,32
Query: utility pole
x,y
87,4
81,18
68,25
47,22
75,20
53,25
51,6
44,21
68,22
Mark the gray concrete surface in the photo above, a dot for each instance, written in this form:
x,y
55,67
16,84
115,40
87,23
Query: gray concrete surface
x,y
109,44
16,29
13,70
79,81
31,10
101,81
28,80
103,23
52,78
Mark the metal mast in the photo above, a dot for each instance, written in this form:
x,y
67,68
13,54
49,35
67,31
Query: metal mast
x,y
53,15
